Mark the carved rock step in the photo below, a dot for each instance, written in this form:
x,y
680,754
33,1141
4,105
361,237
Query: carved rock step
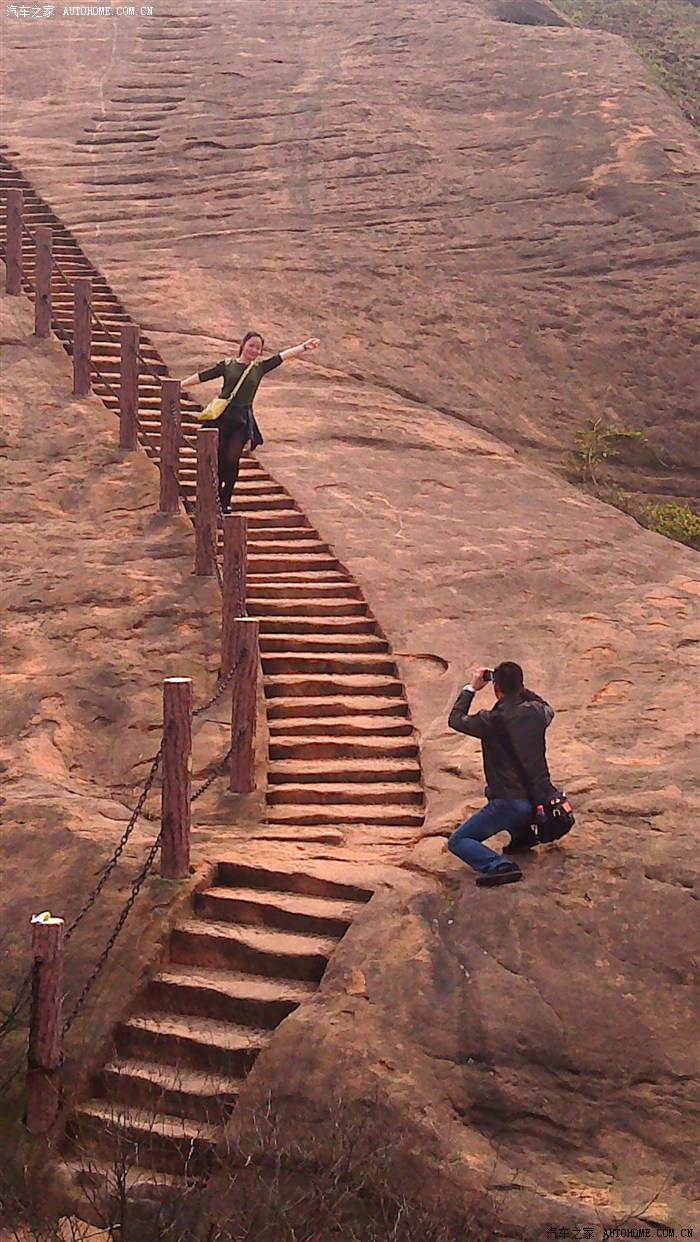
x,y
333,706
313,685
286,911
276,627
160,1140
291,603
320,746
301,545
356,793
172,1089
339,728
325,586
99,1183
282,562
303,663
280,534
343,770
277,954
227,995
288,519
292,880
189,1042
340,817
323,644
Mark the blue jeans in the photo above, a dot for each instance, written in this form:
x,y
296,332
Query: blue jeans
x,y
499,815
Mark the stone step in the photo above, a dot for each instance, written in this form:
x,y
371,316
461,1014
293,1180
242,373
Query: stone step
x,y
304,749
282,562
309,586
349,793
227,995
284,519
332,728
326,645
140,1136
231,871
305,544
339,817
276,954
102,1184
344,770
191,1042
285,911
316,627
279,664
332,706
315,684
310,602
173,1089
283,535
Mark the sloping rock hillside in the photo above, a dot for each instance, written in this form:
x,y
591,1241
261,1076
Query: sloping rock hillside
x,y
489,221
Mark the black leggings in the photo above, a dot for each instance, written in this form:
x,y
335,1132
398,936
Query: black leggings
x,y
232,441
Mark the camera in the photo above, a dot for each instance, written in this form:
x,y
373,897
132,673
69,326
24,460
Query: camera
x,y
487,674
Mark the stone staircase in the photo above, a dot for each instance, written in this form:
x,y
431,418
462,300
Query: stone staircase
x,y
254,949
343,767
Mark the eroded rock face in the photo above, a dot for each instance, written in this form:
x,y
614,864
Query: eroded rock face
x,y
493,218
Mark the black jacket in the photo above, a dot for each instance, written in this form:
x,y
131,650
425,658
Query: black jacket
x,y
527,717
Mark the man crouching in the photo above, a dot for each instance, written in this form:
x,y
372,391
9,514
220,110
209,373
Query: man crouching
x,y
512,737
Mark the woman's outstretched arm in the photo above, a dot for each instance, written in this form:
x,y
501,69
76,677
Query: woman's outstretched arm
x,y
297,350
191,379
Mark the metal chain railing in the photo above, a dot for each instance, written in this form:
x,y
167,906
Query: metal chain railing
x,y
135,815
103,380
210,779
135,890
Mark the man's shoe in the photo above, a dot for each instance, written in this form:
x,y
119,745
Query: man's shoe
x,y
505,873
521,842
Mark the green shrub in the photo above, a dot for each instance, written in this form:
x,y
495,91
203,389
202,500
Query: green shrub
x,y
672,520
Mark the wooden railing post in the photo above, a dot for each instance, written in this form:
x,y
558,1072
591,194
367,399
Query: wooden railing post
x,y
13,250
206,508
129,387
177,778
169,445
244,656
44,267
82,336
45,1023
234,576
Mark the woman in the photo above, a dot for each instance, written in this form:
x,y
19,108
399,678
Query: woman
x,y
237,426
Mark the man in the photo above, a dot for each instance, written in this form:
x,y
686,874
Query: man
x,y
526,717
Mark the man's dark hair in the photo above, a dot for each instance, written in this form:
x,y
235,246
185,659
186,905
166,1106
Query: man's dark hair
x,y
508,676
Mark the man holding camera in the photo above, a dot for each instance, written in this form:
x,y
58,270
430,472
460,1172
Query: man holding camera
x,y
513,744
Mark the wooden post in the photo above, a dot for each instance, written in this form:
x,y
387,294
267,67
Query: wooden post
x,y
45,1022
13,249
82,336
244,655
234,575
177,778
129,387
206,508
44,267
169,445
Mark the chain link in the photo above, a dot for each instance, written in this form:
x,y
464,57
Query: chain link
x,y
135,890
104,380
120,847
22,998
210,779
220,689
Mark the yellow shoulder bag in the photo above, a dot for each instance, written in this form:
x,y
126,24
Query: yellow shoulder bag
x,y
217,406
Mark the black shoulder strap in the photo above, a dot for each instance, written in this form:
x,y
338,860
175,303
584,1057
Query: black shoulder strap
x,y
504,732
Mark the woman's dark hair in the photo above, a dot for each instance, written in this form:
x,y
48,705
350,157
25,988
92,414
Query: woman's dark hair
x,y
247,337
508,676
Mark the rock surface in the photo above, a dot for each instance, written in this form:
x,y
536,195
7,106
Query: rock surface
x,y
495,218
516,249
